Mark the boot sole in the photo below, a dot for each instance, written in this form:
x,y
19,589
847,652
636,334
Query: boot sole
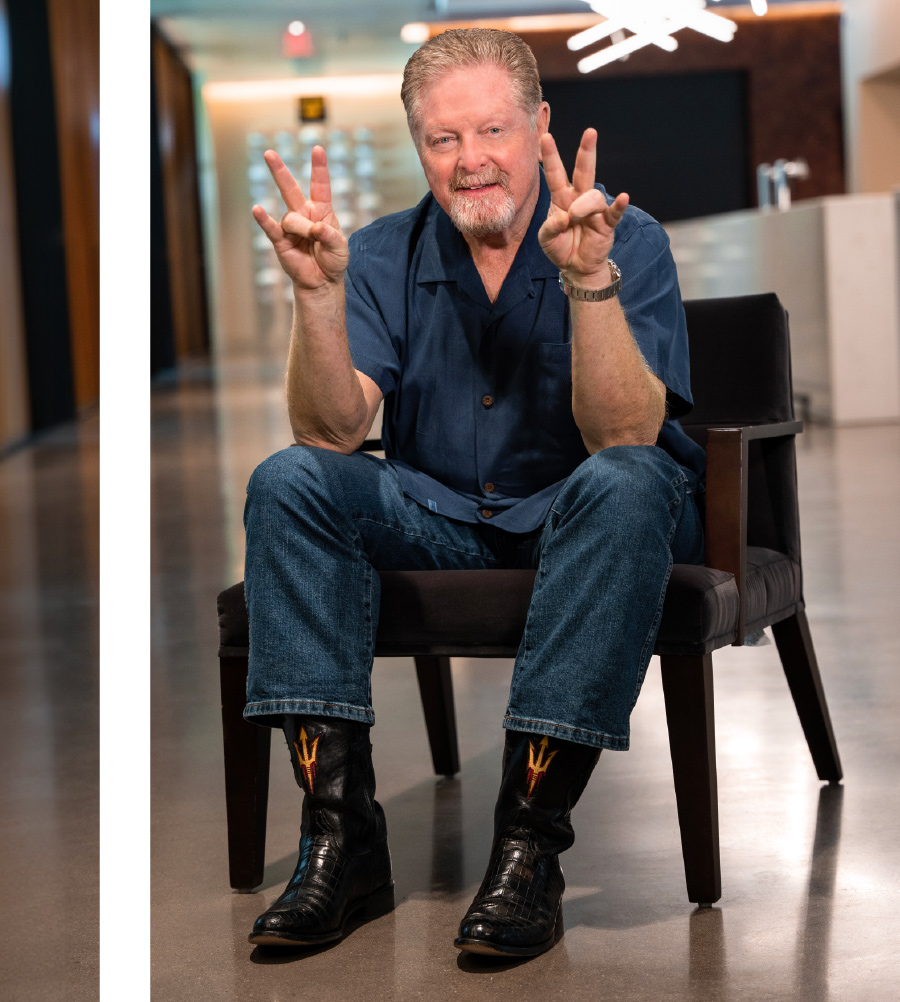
x,y
489,949
377,903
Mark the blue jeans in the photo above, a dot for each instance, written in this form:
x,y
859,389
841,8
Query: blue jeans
x,y
320,525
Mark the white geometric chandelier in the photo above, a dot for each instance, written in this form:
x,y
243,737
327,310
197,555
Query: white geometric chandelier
x,y
651,22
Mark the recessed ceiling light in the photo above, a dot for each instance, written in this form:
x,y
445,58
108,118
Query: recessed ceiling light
x,y
415,32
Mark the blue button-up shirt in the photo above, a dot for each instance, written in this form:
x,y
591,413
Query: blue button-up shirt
x,y
478,395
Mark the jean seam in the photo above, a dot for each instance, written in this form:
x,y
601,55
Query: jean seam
x,y
426,539
368,627
618,739
679,482
317,702
647,649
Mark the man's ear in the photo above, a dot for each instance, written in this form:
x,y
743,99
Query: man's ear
x,y
543,122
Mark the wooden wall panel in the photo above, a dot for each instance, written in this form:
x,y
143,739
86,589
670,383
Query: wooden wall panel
x,y
181,198
14,406
75,45
794,79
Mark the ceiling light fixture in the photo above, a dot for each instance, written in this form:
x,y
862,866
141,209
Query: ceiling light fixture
x,y
651,22
415,32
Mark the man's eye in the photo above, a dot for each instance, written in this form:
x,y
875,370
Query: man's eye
x,y
442,140
495,130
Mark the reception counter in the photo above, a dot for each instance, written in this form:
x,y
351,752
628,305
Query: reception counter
x,y
834,263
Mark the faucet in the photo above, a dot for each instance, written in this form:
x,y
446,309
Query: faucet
x,y
777,178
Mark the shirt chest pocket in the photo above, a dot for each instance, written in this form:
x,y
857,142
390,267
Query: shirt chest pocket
x,y
547,375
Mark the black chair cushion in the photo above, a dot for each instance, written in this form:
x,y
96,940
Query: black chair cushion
x,y
774,588
701,608
482,613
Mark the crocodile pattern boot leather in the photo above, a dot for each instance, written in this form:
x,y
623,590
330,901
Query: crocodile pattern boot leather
x,y
518,908
344,866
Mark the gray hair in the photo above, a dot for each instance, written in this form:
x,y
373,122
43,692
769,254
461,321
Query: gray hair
x,y
471,47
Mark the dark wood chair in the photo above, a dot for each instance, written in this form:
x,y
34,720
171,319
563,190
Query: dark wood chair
x,y
743,414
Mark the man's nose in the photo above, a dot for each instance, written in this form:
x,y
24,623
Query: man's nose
x,y
472,154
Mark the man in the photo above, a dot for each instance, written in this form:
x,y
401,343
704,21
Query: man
x,y
526,388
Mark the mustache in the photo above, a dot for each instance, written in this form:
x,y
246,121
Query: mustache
x,y
461,180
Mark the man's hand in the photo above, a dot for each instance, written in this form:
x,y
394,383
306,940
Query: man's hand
x,y
308,241
578,233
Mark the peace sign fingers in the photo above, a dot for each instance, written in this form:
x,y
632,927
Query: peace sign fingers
x,y
320,181
580,227
585,173
287,183
555,172
308,241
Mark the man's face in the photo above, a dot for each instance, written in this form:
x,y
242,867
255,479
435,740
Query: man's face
x,y
480,151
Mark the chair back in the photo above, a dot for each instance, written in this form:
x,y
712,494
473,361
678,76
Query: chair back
x,y
740,361
741,375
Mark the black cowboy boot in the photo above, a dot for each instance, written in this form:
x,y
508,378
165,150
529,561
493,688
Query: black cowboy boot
x,y
518,908
344,865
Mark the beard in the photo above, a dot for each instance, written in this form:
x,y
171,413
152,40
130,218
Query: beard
x,y
482,215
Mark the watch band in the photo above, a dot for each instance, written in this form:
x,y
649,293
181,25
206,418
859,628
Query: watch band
x,y
595,295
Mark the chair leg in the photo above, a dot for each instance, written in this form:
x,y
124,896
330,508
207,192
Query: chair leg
x,y
688,691
436,690
247,748
798,658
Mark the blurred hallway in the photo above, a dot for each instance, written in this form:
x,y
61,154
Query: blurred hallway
x,y
810,873
49,705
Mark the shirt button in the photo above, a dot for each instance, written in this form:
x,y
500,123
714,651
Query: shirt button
x,y
488,401
489,488
486,512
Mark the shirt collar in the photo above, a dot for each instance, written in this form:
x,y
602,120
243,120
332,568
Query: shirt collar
x,y
447,252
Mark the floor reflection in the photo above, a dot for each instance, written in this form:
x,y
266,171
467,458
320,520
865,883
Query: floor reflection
x,y
707,951
49,697
814,931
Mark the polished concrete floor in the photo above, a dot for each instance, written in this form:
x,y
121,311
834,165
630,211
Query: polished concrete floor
x,y
48,718
811,874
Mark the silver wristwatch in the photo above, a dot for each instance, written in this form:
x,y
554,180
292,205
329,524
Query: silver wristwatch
x,y
595,295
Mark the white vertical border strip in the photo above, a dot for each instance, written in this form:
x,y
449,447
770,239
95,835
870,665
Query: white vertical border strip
x,y
124,501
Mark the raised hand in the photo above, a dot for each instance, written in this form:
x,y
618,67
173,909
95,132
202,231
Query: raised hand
x,y
308,241
578,233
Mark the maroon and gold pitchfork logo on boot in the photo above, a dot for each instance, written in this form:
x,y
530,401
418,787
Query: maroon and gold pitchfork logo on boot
x,y
307,758
537,768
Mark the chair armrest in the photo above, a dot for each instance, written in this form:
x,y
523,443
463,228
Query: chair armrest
x,y
727,465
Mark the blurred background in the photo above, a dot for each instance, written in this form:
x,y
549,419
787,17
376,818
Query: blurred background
x,y
766,139
49,505
810,83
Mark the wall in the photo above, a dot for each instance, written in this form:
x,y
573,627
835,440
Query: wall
x,y
14,405
75,40
75,46
39,210
871,70
879,132
174,97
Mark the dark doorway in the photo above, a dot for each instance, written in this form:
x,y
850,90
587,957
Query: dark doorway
x,y
676,143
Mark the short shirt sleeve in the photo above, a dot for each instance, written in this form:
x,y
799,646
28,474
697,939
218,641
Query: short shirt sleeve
x,y
651,301
375,302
